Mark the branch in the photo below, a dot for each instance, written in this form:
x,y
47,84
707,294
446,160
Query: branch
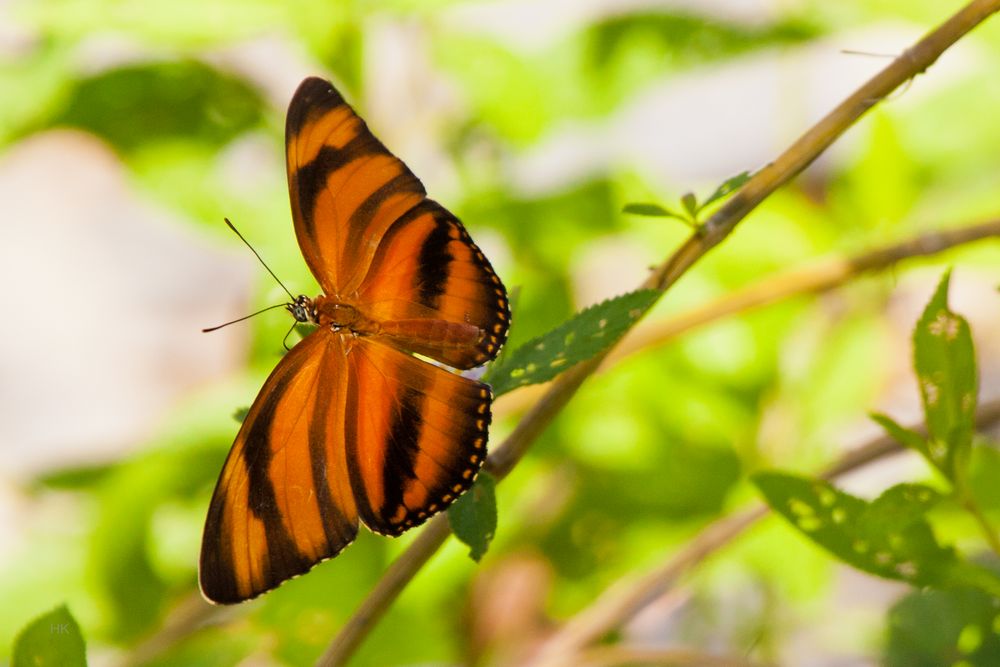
x,y
625,599
807,148
615,656
815,276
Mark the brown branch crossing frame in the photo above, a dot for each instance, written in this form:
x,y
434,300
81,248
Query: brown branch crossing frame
x,y
797,157
815,276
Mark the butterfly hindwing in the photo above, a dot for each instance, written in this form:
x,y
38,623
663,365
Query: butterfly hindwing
x,y
283,501
416,435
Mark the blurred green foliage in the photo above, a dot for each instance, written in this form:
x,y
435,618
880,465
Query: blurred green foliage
x,y
943,627
51,640
646,454
132,107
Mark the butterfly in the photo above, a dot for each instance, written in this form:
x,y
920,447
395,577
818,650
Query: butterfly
x,y
351,426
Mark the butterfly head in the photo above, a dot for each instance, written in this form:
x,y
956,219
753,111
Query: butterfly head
x,y
302,309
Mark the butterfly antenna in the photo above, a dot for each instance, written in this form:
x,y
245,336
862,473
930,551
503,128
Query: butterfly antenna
x,y
245,317
257,255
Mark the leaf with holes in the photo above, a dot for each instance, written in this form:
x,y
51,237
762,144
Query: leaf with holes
x,y
945,363
888,537
729,186
473,517
898,507
51,640
585,335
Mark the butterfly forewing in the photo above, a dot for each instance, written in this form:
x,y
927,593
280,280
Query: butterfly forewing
x,y
346,188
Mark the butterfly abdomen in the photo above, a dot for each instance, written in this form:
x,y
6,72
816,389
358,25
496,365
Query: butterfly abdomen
x,y
410,334
440,334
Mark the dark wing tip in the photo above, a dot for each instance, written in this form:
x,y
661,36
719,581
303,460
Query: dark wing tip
x,y
215,579
219,587
313,96
315,90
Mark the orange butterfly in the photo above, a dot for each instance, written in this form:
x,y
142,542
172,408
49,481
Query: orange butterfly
x,y
351,425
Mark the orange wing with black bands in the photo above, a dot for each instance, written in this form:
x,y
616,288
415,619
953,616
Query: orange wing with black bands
x,y
427,267
343,428
371,237
418,438
346,188
349,428
283,501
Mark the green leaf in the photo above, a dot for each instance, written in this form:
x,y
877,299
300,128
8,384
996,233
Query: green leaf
x,y
473,517
163,101
581,337
689,201
900,506
130,583
726,188
945,363
902,435
690,204
940,627
119,552
76,478
983,478
888,537
652,210
240,414
51,639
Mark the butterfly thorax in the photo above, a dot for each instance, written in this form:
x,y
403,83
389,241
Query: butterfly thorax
x,y
327,311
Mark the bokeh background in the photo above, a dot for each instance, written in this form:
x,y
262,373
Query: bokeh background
x,y
129,129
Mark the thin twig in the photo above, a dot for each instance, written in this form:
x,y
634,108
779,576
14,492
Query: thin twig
x,y
618,656
626,598
622,601
815,276
801,154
